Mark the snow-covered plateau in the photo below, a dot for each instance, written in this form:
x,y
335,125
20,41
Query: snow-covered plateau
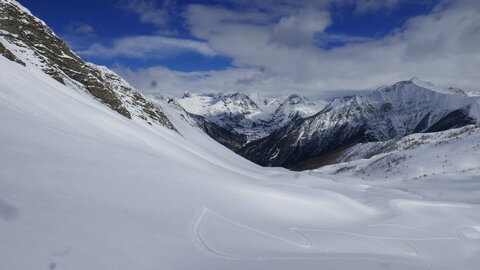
x,y
97,182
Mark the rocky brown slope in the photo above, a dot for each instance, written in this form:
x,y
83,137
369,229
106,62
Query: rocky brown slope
x,y
28,41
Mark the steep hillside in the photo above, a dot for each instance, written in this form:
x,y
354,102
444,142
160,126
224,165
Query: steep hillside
x,y
390,112
28,41
228,138
432,162
388,156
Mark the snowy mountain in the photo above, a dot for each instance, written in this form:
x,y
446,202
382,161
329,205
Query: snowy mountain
x,y
251,115
94,176
441,155
29,42
389,158
228,138
390,112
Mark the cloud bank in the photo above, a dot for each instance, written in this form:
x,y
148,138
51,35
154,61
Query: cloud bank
x,y
276,48
142,47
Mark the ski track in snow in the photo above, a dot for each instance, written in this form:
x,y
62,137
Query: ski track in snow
x,y
206,248
202,241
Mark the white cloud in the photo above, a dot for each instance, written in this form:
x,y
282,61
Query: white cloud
x,y
441,47
325,38
149,11
372,5
169,82
79,28
84,29
298,29
148,47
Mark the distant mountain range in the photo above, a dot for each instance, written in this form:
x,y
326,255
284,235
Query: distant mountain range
x,y
250,115
295,132
390,112
291,131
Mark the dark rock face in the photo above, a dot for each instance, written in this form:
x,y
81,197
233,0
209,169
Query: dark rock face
x,y
455,119
389,113
54,57
228,138
10,56
284,148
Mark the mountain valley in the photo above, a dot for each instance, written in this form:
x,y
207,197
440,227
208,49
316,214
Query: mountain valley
x,y
96,175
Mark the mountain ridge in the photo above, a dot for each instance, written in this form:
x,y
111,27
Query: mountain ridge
x,y
390,112
28,41
251,114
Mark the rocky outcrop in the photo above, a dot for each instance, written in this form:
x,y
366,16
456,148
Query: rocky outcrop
x,y
29,41
228,138
9,55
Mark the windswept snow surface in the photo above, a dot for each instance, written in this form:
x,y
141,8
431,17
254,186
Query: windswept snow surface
x,y
82,187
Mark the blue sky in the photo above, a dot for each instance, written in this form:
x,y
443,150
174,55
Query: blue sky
x,y
237,45
109,21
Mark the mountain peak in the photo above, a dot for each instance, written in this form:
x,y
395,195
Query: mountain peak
x,y
295,99
18,5
440,89
235,96
187,94
406,107
417,83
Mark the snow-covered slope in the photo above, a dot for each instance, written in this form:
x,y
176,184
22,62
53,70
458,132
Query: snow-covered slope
x,y
454,151
228,138
435,160
390,112
28,41
251,115
84,187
